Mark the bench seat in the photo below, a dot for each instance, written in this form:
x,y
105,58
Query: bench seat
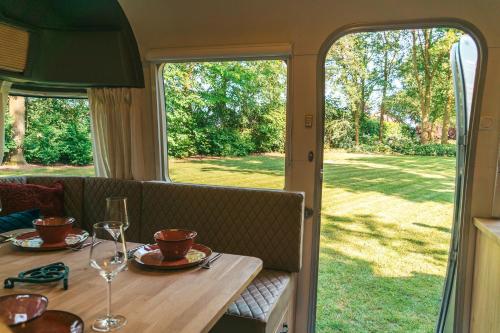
x,y
261,223
260,308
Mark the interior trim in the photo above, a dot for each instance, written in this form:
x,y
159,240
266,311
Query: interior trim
x,y
240,52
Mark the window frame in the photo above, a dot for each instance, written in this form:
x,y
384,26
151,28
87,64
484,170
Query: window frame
x,y
285,56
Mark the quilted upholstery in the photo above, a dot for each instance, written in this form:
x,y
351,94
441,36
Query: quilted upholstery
x,y
96,190
13,179
262,223
260,308
73,194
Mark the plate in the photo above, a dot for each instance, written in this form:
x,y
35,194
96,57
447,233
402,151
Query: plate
x,y
151,257
32,241
19,308
52,321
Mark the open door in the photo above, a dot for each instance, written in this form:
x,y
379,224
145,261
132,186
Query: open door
x,y
463,62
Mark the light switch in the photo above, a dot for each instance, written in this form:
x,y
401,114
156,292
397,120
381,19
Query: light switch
x,y
308,120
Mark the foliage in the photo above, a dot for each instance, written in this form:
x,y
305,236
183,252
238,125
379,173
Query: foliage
x,y
339,134
57,131
225,108
392,86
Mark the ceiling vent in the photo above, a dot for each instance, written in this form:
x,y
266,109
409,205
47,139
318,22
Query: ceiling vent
x,y
14,48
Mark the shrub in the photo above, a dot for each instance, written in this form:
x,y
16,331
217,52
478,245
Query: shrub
x,y
339,134
57,131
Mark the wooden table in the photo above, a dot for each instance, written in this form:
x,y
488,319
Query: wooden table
x,y
175,301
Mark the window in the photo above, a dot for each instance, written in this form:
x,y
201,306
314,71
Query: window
x,y
226,122
47,136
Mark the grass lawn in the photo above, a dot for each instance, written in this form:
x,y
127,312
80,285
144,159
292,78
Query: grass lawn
x,y
384,237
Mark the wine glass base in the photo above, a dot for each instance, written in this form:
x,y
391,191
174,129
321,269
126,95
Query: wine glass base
x,y
109,324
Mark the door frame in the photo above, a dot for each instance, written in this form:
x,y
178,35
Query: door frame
x,y
467,241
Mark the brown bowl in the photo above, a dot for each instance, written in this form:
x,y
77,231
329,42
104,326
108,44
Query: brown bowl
x,y
174,244
54,229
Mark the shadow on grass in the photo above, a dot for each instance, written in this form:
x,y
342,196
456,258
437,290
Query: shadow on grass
x,y
266,165
443,229
395,176
417,179
352,298
388,235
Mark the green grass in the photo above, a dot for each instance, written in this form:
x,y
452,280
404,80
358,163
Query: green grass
x,y
384,237
35,170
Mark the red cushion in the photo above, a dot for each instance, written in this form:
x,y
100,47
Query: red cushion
x,y
21,197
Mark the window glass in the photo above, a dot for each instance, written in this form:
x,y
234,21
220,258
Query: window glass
x,y
226,122
47,136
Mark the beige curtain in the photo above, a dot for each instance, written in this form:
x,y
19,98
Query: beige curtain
x,y
4,96
121,133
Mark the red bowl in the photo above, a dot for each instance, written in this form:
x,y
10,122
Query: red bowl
x,y
54,229
174,244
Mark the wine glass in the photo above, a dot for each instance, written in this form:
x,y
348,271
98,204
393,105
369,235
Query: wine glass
x,y
108,254
116,210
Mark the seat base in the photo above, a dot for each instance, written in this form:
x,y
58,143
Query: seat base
x,y
261,307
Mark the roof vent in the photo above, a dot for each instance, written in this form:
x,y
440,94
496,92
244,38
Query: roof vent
x,y
14,50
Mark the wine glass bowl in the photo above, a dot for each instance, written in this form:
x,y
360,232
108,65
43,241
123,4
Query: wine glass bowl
x,y
116,210
108,255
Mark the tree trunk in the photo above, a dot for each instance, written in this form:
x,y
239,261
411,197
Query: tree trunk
x,y
384,94
446,115
17,110
356,127
446,122
424,82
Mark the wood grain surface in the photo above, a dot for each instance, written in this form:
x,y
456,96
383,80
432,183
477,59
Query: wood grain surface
x,y
185,301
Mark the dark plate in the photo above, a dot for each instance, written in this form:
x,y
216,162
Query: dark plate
x,y
52,321
19,308
151,257
32,241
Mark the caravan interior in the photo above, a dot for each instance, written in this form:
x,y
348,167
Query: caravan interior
x,y
230,166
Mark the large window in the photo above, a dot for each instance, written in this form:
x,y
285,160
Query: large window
x,y
47,136
226,122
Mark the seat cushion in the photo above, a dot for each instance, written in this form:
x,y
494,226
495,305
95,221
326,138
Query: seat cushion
x,y
260,308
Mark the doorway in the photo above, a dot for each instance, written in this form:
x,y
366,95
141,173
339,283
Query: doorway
x,y
396,116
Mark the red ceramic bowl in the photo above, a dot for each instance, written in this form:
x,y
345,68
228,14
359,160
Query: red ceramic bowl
x,y
174,244
54,229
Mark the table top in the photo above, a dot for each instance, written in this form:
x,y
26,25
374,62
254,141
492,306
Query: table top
x,y
189,300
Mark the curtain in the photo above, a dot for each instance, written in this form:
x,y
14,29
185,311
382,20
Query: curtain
x,y
4,95
121,133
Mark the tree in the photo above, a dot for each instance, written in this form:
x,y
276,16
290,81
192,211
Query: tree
x,y
17,110
225,108
388,52
429,54
348,67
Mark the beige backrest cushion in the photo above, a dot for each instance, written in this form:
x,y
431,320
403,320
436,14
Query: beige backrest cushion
x,y
262,223
96,190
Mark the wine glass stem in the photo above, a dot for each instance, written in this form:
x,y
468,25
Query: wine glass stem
x,y
108,314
